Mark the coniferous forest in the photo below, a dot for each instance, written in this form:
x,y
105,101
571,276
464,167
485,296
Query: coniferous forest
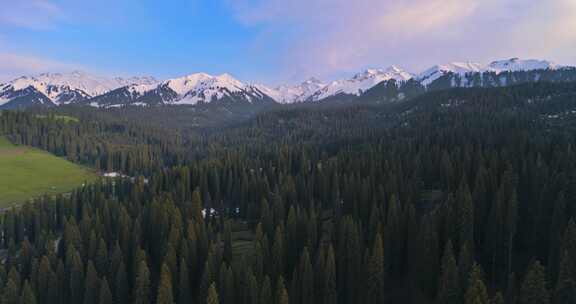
x,y
453,196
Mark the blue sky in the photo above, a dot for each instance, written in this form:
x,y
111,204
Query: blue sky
x,y
273,41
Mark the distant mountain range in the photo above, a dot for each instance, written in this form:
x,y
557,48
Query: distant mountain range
x,y
390,84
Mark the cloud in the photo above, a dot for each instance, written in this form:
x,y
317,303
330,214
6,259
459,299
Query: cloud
x,y
327,37
14,65
30,14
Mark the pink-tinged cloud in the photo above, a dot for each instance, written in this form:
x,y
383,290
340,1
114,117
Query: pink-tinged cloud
x,y
30,14
14,65
335,36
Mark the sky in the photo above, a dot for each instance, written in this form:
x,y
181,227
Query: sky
x,y
276,41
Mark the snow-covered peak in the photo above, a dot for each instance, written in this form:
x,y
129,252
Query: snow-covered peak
x,y
313,81
200,81
392,72
516,64
92,85
361,82
53,85
438,71
293,93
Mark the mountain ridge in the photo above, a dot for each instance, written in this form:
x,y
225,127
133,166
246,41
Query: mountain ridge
x,y
77,87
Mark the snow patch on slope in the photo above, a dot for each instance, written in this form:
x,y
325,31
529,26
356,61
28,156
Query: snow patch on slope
x,y
437,71
361,82
516,64
286,94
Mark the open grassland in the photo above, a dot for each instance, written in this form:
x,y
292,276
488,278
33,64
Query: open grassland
x,y
64,118
27,173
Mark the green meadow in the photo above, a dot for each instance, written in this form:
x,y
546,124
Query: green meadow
x,y
26,173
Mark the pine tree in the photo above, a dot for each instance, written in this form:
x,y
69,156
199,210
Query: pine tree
x,y
11,293
448,287
196,207
266,292
330,295
306,278
476,293
44,273
281,293
91,285
534,290
212,297
184,296
375,270
142,285
165,287
76,281
105,295
28,296
121,289
498,299
278,253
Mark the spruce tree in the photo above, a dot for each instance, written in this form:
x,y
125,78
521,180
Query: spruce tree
x,y
105,295
212,297
91,285
164,295
121,288
306,278
281,293
266,292
449,285
28,296
330,293
534,289
142,285
11,293
476,293
375,270
184,295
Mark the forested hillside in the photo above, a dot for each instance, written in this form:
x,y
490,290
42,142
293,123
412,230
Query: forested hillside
x,y
454,196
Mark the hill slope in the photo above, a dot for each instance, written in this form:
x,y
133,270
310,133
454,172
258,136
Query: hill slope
x,y
28,173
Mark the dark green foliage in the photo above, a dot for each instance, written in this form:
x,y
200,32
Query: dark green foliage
x,y
449,285
534,288
477,292
311,204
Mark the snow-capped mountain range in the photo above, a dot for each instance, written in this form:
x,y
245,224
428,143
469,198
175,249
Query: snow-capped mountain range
x,y
64,88
82,88
188,90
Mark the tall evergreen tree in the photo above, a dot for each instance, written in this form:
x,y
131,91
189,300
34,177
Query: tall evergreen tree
x,y
91,285
330,295
449,285
266,292
28,296
281,293
142,285
534,288
212,297
105,295
375,269
165,287
476,293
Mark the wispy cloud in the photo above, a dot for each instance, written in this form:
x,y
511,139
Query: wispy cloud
x,y
14,65
332,36
30,14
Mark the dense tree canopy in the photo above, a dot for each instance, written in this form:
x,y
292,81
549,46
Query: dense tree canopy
x,y
454,196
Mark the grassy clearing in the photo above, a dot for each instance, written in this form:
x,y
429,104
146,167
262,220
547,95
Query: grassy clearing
x,y
64,118
27,173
